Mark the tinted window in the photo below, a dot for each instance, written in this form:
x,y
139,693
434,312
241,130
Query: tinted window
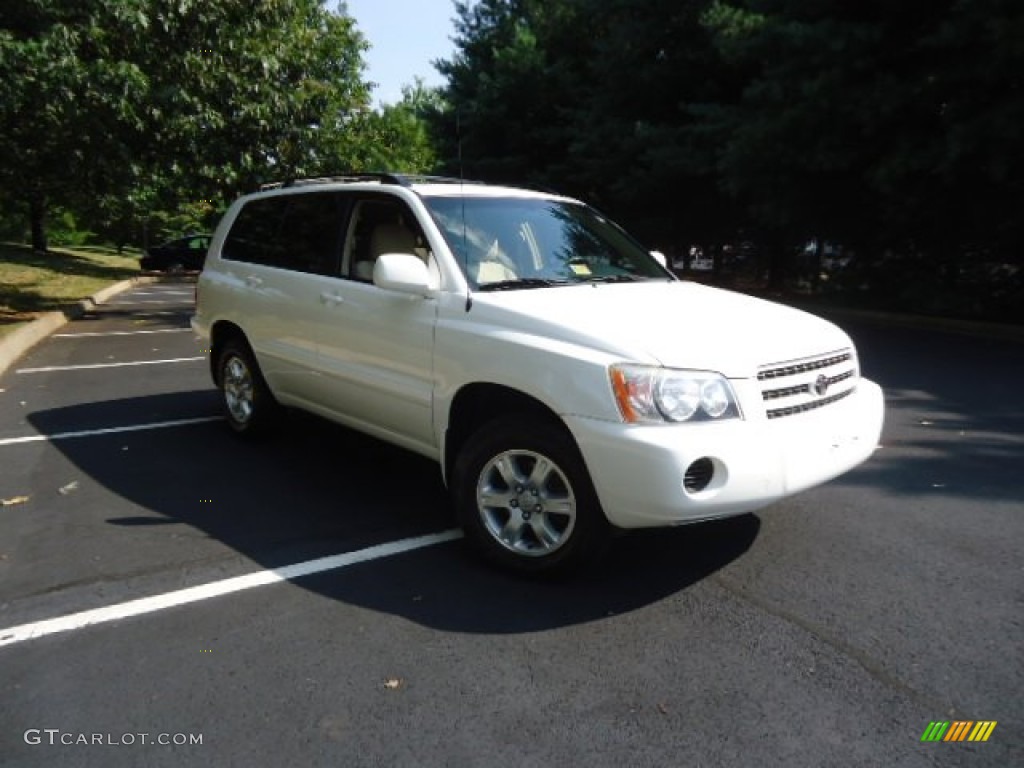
x,y
252,236
298,232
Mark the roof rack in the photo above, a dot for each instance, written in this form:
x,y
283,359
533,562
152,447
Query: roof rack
x,y
400,179
407,179
383,178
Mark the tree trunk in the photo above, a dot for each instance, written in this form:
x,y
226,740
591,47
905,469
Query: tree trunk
x,y
37,218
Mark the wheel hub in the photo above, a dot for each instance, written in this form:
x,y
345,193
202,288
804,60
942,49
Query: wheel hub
x,y
526,503
528,500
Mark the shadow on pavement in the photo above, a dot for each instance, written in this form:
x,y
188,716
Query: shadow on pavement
x,y
316,489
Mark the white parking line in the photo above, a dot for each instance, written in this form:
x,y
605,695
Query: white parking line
x,y
106,431
144,301
217,588
147,313
87,334
109,365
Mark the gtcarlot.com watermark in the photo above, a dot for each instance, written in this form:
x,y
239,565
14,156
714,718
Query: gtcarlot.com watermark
x,y
57,737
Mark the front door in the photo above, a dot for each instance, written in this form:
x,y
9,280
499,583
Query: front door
x,y
376,346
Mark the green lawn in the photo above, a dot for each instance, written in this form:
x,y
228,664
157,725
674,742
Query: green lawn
x,y
33,283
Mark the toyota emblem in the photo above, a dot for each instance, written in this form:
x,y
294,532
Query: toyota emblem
x,y
820,385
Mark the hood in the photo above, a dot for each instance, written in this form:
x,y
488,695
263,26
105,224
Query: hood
x,y
675,324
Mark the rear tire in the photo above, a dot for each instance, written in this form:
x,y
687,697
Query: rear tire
x,y
525,499
249,407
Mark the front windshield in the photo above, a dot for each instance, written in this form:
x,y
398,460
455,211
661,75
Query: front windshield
x,y
509,242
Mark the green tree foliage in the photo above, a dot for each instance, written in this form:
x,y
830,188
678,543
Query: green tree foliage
x,y
64,104
397,136
503,91
591,97
133,111
892,122
637,132
892,127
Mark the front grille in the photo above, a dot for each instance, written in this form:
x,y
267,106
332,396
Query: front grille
x,y
776,413
799,386
792,369
775,394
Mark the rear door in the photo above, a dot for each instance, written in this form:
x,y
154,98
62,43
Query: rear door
x,y
278,257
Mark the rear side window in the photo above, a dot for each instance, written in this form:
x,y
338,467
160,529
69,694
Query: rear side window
x,y
299,232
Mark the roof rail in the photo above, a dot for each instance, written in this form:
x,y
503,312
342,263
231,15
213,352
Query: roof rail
x,y
400,179
383,178
420,178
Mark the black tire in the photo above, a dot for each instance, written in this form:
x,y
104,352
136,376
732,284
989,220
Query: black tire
x,y
249,407
544,516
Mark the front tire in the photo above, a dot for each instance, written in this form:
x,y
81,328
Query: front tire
x,y
525,499
249,407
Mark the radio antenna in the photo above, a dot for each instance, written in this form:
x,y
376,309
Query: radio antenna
x,y
462,200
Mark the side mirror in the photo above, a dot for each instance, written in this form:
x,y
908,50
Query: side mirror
x,y
660,258
404,273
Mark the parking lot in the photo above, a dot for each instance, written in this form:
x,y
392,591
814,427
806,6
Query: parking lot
x,y
306,600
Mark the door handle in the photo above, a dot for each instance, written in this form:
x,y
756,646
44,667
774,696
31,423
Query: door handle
x,y
330,299
253,282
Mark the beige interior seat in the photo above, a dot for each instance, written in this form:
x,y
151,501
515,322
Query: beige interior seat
x,y
388,237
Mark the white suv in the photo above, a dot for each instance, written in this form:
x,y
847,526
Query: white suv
x,y
534,350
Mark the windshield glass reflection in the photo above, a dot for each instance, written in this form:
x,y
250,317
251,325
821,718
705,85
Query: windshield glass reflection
x,y
509,243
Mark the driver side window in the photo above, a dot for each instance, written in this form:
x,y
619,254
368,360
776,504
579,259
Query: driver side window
x,y
380,226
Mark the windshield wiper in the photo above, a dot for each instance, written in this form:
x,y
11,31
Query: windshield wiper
x,y
612,278
522,282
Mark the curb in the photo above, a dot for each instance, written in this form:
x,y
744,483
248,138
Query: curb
x,y
22,340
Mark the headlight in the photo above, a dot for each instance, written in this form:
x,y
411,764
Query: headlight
x,y
657,395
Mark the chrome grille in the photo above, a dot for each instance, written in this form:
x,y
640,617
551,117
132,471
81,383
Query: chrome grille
x,y
791,369
799,386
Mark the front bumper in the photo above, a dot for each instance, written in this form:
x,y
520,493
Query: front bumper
x,y
638,470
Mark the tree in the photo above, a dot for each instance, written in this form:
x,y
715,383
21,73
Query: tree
x,y
397,136
596,98
885,124
64,102
182,100
638,138
505,90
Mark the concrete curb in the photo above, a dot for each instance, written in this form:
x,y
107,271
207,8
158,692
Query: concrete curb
x,y
17,343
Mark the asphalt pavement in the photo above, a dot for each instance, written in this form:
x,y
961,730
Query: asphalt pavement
x,y
172,596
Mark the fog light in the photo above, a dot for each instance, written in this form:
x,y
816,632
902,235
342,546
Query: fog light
x,y
698,475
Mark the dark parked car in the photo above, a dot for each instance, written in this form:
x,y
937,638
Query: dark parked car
x,y
185,253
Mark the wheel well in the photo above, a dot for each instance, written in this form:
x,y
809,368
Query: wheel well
x,y
219,335
476,404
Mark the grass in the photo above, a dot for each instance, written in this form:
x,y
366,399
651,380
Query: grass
x,y
33,283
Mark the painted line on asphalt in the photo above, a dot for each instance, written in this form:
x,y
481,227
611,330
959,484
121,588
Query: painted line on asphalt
x,y
133,302
155,603
107,431
109,365
91,334
104,309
